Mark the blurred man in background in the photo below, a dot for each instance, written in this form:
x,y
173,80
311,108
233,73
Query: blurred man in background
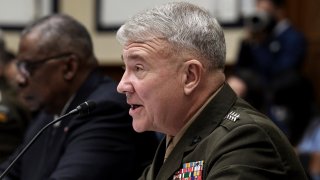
x,y
274,52
273,46
14,117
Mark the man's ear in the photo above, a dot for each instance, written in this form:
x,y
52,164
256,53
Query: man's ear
x,y
192,75
71,67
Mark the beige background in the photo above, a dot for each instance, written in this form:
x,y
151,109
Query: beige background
x,y
106,47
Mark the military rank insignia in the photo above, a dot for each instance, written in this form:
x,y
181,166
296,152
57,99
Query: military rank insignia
x,y
232,116
190,171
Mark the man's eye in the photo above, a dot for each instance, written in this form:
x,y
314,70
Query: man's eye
x,y
31,67
138,68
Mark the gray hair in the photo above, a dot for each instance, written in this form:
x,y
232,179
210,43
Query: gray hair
x,y
187,27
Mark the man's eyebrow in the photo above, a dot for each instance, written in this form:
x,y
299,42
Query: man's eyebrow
x,y
132,57
135,57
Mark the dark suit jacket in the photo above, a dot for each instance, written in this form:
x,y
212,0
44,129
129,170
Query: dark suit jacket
x,y
234,141
277,55
100,145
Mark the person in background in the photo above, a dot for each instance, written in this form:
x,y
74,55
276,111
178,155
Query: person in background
x,y
274,52
273,46
309,149
174,80
14,117
58,71
10,70
248,86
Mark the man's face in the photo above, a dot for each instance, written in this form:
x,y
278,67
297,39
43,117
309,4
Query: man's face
x,y
39,77
152,82
265,6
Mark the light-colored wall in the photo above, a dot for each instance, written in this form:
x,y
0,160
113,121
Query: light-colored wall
x,y
107,48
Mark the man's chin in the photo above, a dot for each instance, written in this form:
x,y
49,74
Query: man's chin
x,y
138,127
31,103
33,106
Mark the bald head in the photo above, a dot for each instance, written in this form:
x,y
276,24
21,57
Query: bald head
x,y
61,33
55,57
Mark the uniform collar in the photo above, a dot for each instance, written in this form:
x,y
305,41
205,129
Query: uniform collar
x,y
173,140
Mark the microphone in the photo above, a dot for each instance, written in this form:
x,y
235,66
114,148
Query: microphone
x,y
82,109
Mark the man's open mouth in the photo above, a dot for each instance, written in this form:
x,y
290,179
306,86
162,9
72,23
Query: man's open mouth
x,y
134,106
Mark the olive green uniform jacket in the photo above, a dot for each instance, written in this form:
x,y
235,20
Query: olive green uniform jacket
x,y
228,140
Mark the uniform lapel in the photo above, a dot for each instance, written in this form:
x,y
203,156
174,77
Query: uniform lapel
x,y
158,160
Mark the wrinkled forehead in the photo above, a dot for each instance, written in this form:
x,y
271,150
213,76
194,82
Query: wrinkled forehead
x,y
153,53
155,45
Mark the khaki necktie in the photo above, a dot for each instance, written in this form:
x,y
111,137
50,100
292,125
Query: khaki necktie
x,y
170,146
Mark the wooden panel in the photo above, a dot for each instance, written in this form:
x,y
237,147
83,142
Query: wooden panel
x,y
305,16
312,67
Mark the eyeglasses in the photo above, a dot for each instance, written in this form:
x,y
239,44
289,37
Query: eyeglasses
x,y
28,67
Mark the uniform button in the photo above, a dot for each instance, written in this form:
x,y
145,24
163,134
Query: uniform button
x,y
195,140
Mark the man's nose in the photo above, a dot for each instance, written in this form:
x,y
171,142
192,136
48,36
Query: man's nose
x,y
21,80
124,85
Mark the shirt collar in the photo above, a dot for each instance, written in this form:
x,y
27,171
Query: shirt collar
x,y
281,27
64,111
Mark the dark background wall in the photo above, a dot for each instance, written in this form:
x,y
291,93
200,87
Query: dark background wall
x,y
305,15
